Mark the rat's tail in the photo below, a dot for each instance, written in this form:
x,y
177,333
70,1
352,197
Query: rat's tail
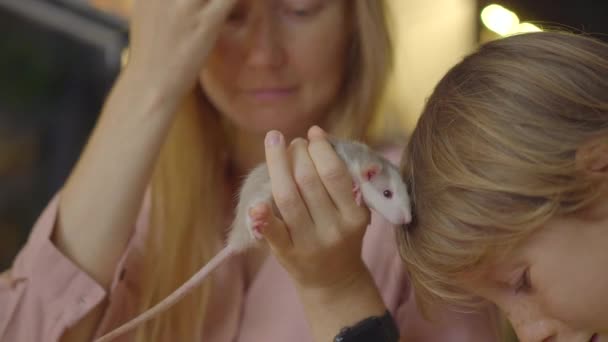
x,y
172,298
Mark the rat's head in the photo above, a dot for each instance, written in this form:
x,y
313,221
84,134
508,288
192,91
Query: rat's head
x,y
384,191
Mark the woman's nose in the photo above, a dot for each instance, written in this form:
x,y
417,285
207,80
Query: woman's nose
x,y
265,45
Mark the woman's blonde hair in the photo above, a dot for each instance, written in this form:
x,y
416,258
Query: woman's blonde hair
x,y
493,155
188,194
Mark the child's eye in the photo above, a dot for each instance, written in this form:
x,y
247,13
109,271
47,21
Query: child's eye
x,y
523,284
388,194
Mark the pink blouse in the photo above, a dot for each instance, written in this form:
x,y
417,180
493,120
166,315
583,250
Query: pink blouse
x,y
44,293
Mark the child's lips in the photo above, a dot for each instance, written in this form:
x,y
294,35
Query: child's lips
x,y
594,338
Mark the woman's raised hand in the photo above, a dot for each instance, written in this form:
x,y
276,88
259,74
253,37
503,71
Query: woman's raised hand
x,y
170,40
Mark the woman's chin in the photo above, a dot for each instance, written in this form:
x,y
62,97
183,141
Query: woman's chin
x,y
260,122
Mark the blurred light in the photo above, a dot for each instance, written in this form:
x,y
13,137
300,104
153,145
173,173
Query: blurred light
x,y
527,27
124,57
504,22
499,19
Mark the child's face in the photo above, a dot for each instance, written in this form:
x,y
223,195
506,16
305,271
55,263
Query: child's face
x,y
555,285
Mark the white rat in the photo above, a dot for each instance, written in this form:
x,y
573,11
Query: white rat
x,y
376,180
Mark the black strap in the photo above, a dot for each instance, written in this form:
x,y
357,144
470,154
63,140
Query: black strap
x,y
372,329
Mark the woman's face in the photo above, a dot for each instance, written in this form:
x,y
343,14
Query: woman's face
x,y
278,64
554,287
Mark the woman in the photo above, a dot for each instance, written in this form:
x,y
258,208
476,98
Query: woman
x,y
243,68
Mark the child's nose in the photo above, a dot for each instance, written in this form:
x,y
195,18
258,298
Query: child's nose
x,y
531,325
549,331
536,331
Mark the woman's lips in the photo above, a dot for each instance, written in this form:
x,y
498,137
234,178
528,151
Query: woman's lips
x,y
271,94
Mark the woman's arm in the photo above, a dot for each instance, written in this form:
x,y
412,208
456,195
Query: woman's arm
x,y
102,196
331,309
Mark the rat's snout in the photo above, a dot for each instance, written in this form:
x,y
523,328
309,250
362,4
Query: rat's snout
x,y
404,217
407,214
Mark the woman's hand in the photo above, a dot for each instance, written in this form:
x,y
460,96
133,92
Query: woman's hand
x,y
170,40
319,238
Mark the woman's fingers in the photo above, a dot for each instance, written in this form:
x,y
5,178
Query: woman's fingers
x,y
336,178
312,191
285,191
272,229
318,245
174,39
216,11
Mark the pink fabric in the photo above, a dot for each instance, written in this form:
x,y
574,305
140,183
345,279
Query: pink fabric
x,y
45,293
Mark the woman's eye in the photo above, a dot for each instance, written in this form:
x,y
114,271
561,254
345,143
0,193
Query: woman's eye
x,y
235,18
523,284
239,14
303,12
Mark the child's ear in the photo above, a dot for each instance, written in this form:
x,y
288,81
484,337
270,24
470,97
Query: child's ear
x,y
592,157
370,171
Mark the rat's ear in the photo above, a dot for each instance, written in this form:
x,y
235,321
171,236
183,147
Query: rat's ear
x,y
370,171
592,157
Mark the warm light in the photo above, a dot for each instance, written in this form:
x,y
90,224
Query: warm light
x,y
505,22
124,57
527,27
499,19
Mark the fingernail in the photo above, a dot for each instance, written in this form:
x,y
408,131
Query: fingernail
x,y
273,138
298,140
317,131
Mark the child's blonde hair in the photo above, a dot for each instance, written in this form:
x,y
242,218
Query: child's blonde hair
x,y
493,155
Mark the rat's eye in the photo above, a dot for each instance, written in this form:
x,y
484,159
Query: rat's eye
x,y
388,194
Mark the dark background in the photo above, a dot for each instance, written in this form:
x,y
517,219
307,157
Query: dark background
x,y
590,16
57,63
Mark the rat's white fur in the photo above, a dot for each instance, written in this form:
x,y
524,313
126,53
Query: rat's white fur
x,y
358,158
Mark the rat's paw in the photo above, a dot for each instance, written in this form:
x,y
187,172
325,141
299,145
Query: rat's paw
x,y
258,218
357,193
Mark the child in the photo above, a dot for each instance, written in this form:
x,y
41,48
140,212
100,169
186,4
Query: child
x,y
508,168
